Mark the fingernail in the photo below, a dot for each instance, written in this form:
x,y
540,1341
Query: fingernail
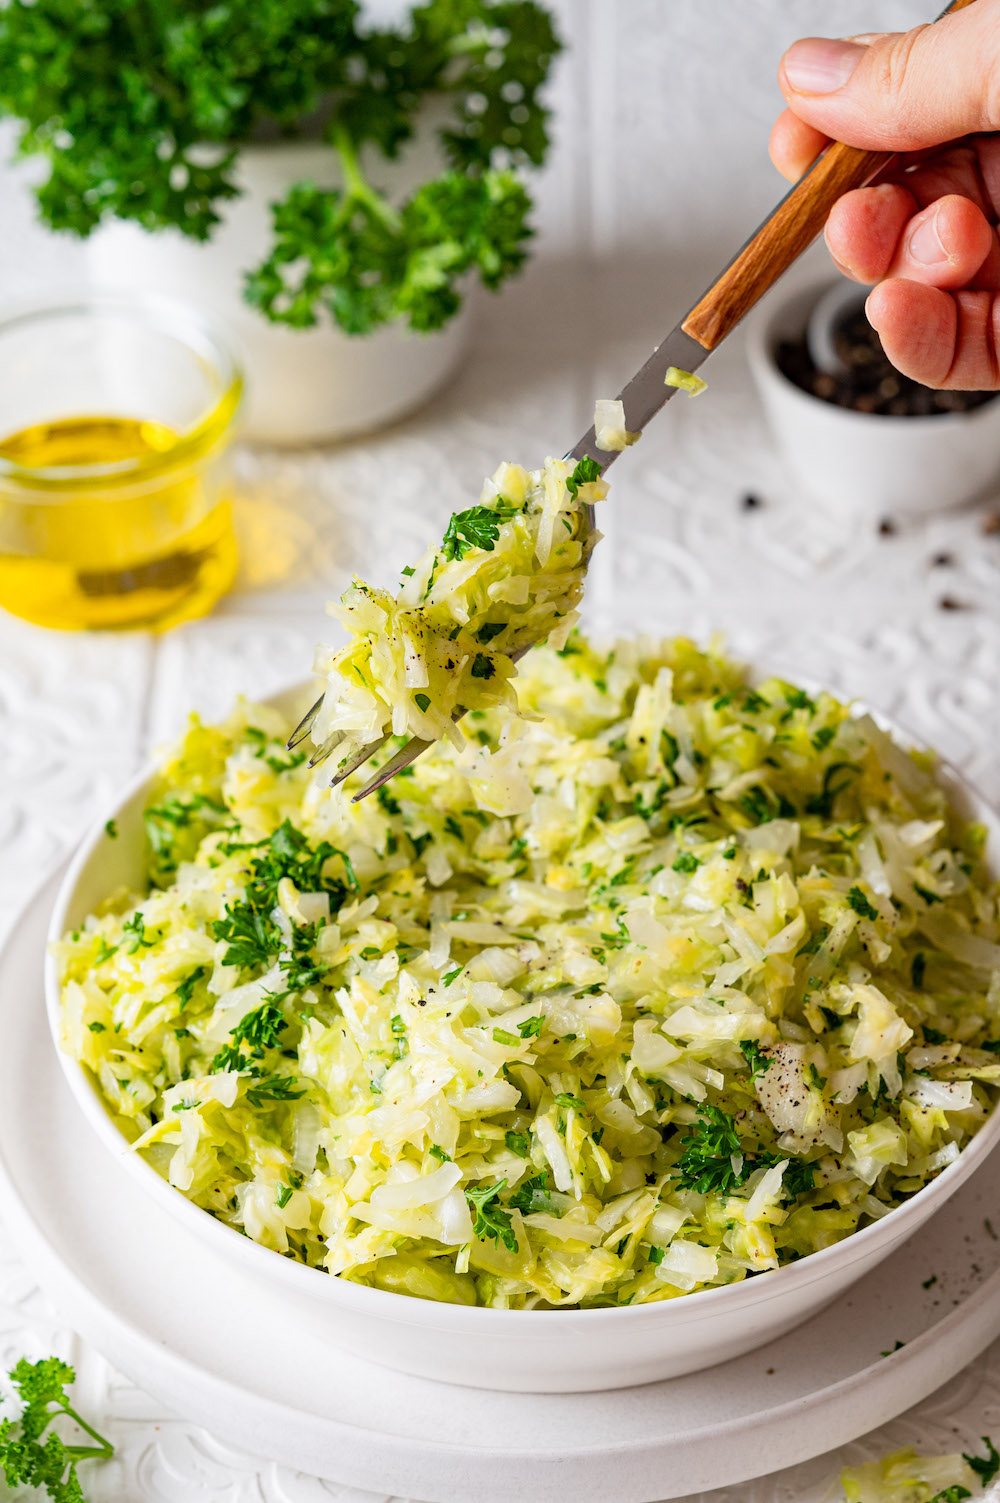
x,y
924,243
869,310
819,65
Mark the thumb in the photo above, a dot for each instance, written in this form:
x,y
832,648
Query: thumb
x,y
902,91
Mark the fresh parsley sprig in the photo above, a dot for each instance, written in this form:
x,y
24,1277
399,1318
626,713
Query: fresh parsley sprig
x,y
29,1456
713,1161
492,1221
479,527
706,1165
757,1058
259,1030
140,110
253,938
587,470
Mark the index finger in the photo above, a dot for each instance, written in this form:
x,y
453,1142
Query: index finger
x,y
794,145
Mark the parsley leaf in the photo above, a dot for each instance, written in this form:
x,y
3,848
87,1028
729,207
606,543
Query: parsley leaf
x,y
252,935
483,666
798,1178
756,1057
259,1029
533,1195
985,1467
837,777
492,1221
479,527
686,862
572,1103
175,828
587,470
274,1088
757,806
519,1143
252,938
135,928
189,983
857,900
531,1027
706,1165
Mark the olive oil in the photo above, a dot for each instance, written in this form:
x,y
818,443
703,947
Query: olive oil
x,y
110,521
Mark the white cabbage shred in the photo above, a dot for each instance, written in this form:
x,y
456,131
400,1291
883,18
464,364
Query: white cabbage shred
x,y
685,381
609,426
666,985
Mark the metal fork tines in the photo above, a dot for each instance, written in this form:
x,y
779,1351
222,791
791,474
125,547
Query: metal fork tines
x,y
417,745
305,725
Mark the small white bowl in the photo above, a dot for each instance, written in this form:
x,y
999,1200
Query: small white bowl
x,y
531,1351
867,462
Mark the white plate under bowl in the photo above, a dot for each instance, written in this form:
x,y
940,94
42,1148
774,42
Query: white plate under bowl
x,y
561,1351
215,1343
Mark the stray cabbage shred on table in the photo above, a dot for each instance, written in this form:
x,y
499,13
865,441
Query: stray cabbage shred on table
x,y
675,982
907,1477
508,573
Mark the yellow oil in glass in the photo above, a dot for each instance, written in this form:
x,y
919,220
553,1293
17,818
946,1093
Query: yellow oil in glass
x,y
113,522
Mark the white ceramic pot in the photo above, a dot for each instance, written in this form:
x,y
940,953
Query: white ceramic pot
x,y
303,385
861,462
540,1351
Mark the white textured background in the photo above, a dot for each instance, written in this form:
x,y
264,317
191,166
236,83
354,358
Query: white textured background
x,y
660,169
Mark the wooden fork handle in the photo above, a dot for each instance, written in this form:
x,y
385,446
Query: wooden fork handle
x,y
783,237
780,240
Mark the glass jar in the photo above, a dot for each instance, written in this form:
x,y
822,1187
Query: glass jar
x,y
115,496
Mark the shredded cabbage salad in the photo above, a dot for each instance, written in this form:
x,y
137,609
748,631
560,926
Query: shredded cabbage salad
x,y
508,573
669,984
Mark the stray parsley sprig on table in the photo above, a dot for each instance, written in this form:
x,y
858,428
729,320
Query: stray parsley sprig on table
x,y
141,112
25,1457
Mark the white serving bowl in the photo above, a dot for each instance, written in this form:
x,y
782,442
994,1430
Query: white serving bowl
x,y
540,1351
866,463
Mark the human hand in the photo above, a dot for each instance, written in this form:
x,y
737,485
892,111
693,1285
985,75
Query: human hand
x,y
927,232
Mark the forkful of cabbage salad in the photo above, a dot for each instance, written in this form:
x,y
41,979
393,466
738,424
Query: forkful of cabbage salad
x,y
507,574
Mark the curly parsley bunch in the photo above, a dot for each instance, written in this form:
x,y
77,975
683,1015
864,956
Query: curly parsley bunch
x,y
141,111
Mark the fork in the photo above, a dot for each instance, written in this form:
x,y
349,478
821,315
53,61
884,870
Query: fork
x,y
787,231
